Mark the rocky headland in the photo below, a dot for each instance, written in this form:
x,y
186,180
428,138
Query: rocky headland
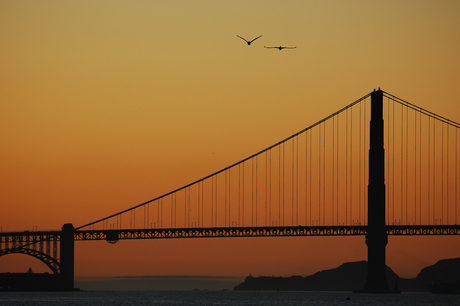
x,y
441,277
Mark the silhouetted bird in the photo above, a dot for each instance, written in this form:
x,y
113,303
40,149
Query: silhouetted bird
x,y
280,47
249,41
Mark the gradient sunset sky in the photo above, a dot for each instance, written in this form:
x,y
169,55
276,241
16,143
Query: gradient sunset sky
x,y
107,104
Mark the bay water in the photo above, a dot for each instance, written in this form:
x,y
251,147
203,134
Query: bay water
x,y
221,298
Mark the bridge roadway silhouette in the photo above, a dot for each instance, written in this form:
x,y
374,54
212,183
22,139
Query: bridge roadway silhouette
x,y
46,245
22,239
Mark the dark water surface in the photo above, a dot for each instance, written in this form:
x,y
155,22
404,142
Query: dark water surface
x,y
222,298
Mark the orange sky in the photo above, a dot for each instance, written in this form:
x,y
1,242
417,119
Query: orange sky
x,y
105,105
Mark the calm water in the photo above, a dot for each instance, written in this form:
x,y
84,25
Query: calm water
x,y
222,298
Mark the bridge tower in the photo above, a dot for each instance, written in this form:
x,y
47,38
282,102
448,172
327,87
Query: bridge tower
x,y
377,237
67,257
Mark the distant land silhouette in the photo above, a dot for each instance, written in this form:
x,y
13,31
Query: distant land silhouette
x,y
442,277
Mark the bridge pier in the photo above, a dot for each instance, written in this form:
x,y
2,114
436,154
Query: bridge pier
x,y
377,237
67,257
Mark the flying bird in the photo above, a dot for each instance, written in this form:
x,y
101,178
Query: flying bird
x,y
280,47
249,41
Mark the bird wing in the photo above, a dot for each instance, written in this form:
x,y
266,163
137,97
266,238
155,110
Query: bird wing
x,y
256,38
271,47
242,38
289,47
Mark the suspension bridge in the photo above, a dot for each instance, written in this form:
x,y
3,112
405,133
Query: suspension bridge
x,y
379,166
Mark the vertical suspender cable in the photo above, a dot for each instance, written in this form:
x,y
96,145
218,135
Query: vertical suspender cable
x,y
252,188
420,175
242,197
442,173
324,174
270,187
284,163
266,187
407,164
393,163
333,169
185,208
189,204
364,164
310,174
217,203
202,204
447,176
242,201
359,163
297,180
279,184
338,165
387,152
346,167
292,183
212,201
229,197
351,165
306,178
198,187
429,167
257,189
319,173
434,171
401,168
239,195
415,168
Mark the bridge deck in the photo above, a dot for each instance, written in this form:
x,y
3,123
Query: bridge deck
x,y
18,239
114,235
220,232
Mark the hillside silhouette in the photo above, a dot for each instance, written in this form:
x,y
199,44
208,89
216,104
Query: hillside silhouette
x,y
352,276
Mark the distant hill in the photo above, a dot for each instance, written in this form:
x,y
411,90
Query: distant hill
x,y
351,276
